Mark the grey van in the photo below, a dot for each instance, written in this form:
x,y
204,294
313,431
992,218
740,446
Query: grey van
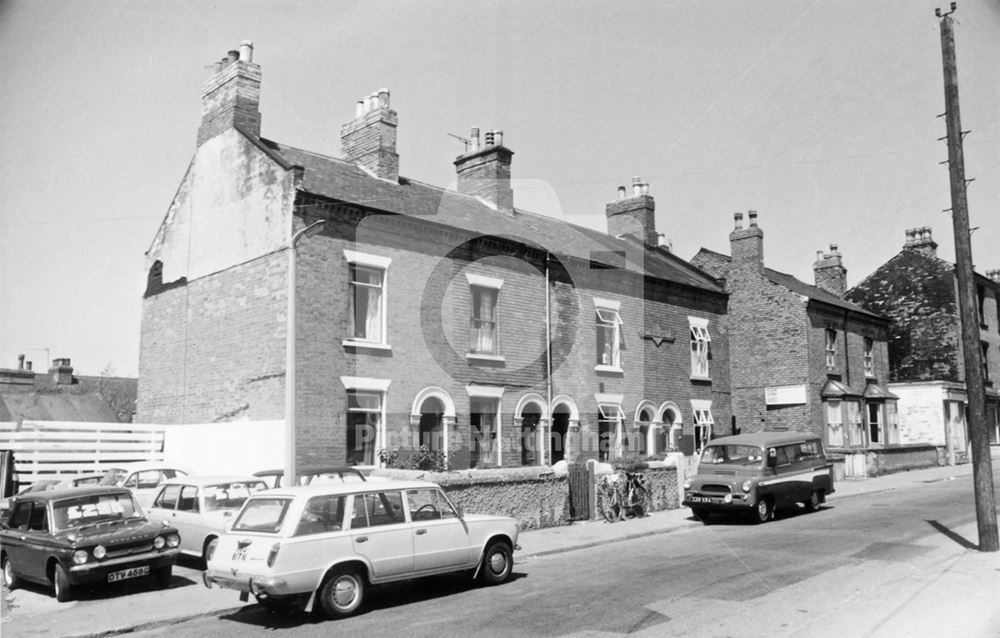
x,y
756,473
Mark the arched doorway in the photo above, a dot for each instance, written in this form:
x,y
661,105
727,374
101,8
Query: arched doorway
x,y
668,434
558,436
531,417
432,424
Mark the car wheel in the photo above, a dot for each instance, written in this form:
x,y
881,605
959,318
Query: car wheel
x,y
162,576
64,591
763,512
498,561
815,499
701,514
342,593
10,579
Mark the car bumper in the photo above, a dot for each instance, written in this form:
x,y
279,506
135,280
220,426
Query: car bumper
x,y
258,585
737,502
93,572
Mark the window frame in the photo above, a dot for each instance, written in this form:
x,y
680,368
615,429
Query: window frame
x,y
351,443
869,356
607,318
830,348
834,406
701,348
369,262
475,344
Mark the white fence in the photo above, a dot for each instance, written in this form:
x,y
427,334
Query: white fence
x,y
48,449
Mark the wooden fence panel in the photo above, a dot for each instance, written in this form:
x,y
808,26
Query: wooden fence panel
x,y
581,491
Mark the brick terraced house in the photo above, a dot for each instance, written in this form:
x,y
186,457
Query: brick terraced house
x,y
423,316
803,358
919,291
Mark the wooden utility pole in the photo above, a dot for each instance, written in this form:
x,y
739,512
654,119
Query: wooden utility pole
x,y
982,466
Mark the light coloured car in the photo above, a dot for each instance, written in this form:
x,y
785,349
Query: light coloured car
x,y
327,543
308,476
143,478
201,507
55,483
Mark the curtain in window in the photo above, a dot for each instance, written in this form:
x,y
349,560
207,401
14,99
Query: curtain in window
x,y
700,340
364,411
855,425
834,424
367,301
484,301
483,421
608,337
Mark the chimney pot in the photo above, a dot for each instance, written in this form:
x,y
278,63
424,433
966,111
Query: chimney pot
x,y
233,56
833,248
359,108
383,98
246,51
475,139
738,219
498,137
819,255
752,215
27,365
489,138
20,362
621,192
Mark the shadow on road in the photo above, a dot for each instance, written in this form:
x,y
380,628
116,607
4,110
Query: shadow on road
x,y
958,538
376,598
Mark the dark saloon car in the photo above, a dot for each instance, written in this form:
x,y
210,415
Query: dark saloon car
x,y
73,536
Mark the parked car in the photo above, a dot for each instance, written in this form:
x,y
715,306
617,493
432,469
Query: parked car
x,y
328,543
317,474
201,507
143,478
756,473
72,536
55,483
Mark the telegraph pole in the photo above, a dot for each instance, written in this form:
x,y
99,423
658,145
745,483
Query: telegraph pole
x,y
982,466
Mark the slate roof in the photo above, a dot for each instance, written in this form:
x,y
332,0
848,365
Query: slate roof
x,y
340,180
797,286
43,400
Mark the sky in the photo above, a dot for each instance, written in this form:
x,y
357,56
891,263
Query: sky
x,y
822,116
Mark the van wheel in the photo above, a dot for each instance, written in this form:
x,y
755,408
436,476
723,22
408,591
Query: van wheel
x,y
342,593
763,512
815,499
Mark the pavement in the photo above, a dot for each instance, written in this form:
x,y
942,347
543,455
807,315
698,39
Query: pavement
x,y
958,578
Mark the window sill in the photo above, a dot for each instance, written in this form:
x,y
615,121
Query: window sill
x,y
695,377
608,369
487,358
365,345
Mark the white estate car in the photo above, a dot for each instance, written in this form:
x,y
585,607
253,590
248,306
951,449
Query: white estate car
x,y
329,542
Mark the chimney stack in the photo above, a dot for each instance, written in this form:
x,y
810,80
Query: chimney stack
x,y
829,272
231,97
920,240
369,140
633,216
746,245
485,171
61,371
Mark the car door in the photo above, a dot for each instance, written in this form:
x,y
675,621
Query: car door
x,y
188,520
380,533
15,538
33,540
440,538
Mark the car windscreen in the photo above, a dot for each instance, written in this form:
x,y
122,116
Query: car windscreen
x,y
230,495
733,455
79,511
264,514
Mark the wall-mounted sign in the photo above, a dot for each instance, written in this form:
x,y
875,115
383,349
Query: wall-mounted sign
x,y
785,395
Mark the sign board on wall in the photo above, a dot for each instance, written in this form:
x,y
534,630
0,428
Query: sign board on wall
x,y
785,395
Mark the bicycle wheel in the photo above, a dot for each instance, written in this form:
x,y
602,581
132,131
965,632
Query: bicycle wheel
x,y
609,508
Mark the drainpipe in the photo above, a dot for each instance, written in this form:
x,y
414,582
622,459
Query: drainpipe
x,y
548,364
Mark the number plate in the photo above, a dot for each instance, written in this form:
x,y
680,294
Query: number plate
x,y
240,554
135,572
701,499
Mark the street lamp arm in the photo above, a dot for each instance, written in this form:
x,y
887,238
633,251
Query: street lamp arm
x,y
308,230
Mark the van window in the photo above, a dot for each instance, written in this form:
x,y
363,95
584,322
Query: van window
x,y
782,456
811,450
732,454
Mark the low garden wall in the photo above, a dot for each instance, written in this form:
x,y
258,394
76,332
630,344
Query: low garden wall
x,y
900,459
535,496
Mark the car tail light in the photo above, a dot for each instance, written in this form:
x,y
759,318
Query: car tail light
x,y
273,554
80,556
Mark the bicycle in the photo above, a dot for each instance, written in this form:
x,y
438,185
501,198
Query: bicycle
x,y
623,494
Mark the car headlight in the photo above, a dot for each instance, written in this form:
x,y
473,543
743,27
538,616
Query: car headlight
x,y
100,552
159,542
80,556
173,540
747,485
687,484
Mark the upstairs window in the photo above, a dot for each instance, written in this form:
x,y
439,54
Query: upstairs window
x,y
483,323
869,357
366,299
701,342
831,349
609,334
986,363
